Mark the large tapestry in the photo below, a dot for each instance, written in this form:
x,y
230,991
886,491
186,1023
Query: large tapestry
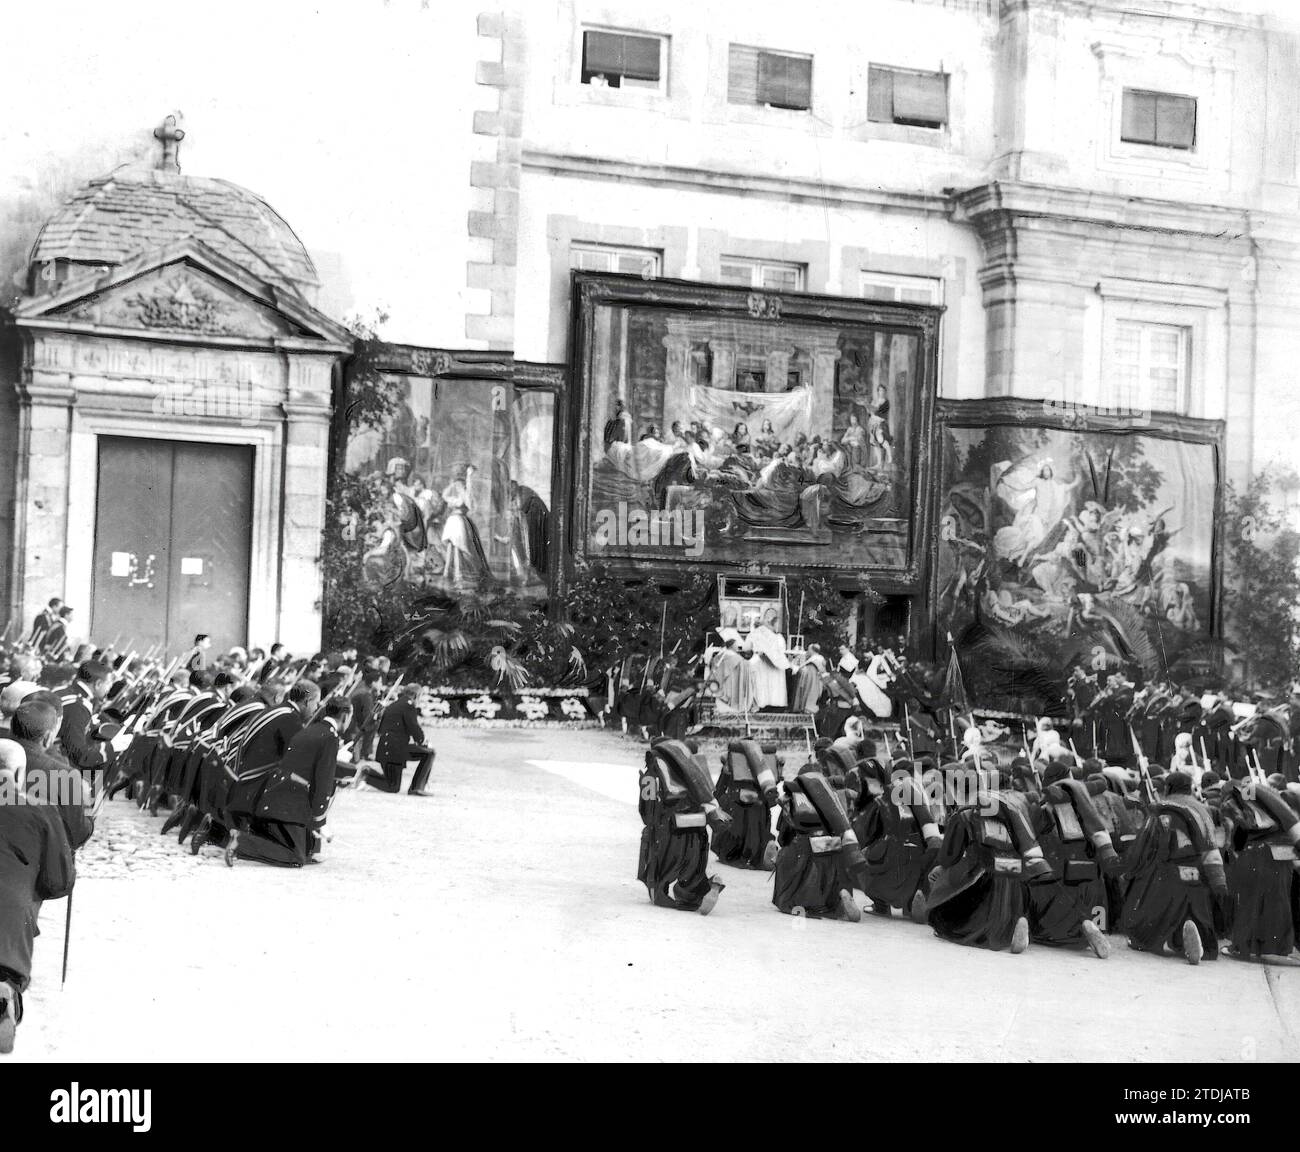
x,y
451,492
1061,546
737,430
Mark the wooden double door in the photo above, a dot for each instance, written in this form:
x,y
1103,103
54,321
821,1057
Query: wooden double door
x,y
173,532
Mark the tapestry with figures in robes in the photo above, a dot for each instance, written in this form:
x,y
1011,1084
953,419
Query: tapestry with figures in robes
x,y
450,491
1071,541
751,431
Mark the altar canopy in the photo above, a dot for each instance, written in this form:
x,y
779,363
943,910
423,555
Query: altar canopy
x,y
1061,547
788,413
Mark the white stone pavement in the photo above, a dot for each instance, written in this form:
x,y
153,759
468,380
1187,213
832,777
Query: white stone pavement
x,y
501,919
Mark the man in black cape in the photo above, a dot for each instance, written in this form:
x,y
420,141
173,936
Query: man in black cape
x,y
1176,880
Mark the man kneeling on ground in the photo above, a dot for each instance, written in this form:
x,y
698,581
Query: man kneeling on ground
x,y
289,819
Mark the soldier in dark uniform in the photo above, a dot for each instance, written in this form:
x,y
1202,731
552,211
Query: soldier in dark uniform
x,y
263,746
196,659
289,820
277,660
677,809
1263,831
1077,844
56,637
45,620
901,839
79,738
37,865
747,792
401,739
361,730
1176,879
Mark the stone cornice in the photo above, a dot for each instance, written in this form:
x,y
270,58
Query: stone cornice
x,y
161,336
792,190
1007,201
1215,15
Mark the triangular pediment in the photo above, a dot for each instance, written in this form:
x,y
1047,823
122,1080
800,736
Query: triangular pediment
x,y
187,291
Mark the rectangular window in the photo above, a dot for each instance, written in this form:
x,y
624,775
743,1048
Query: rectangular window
x,y
774,79
1149,366
610,258
769,275
900,289
1159,119
897,96
622,60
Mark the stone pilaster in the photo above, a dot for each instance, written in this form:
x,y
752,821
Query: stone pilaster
x,y
494,181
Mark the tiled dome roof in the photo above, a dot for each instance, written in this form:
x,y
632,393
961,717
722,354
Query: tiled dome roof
x,y
137,210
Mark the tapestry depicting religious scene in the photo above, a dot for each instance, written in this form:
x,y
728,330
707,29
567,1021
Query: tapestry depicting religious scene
x,y
731,439
452,492
1062,548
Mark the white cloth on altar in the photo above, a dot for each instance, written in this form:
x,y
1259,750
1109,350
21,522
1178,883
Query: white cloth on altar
x,y
769,664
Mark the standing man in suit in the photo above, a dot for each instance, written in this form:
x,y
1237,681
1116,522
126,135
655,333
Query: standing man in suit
x,y
290,817
78,733
401,739
49,780
37,865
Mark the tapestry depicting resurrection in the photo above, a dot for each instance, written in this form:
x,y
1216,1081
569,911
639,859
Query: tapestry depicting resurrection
x,y
452,492
1060,547
733,439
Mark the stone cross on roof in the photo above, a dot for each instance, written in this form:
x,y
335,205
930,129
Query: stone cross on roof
x,y
171,136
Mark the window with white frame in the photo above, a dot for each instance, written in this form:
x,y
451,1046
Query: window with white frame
x,y
1148,366
771,79
612,258
902,96
900,289
623,59
769,275
1159,119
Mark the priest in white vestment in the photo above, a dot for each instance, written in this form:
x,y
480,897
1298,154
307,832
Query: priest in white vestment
x,y
769,664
